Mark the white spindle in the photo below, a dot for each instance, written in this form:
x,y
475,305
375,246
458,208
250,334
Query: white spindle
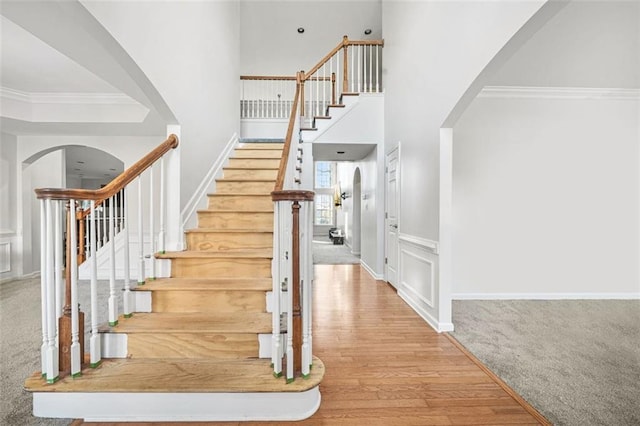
x,y
126,301
94,341
370,68
76,362
140,235
309,274
304,254
52,367
276,357
288,266
43,290
113,301
317,109
324,88
161,236
359,60
152,229
58,247
352,50
377,68
105,222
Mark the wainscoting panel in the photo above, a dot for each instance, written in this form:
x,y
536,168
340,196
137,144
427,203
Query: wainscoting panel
x,y
418,276
5,257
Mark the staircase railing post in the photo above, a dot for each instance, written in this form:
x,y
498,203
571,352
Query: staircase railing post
x,y
296,309
333,88
300,82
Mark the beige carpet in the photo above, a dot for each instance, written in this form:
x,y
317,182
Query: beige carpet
x,y
576,361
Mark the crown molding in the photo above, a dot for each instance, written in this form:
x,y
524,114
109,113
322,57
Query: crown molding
x,y
67,98
575,93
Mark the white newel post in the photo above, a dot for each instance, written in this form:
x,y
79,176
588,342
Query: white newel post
x,y
58,247
152,229
43,288
276,356
305,287
141,271
127,296
52,366
113,301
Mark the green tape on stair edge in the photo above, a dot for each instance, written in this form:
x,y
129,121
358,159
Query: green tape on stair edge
x,y
76,375
52,381
140,282
128,315
290,380
44,375
306,376
113,324
95,364
277,375
151,278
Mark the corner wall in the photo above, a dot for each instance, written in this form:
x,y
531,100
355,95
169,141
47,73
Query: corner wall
x,y
546,199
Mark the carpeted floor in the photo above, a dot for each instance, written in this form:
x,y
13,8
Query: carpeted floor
x,y
576,361
326,253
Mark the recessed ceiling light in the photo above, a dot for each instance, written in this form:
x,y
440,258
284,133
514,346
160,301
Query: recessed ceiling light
x,y
113,170
340,152
367,31
80,162
77,170
300,30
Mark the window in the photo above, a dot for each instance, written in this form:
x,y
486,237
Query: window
x,y
324,209
324,182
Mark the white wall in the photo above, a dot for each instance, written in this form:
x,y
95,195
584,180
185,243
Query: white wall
x,y
190,52
46,172
433,52
546,198
271,45
9,248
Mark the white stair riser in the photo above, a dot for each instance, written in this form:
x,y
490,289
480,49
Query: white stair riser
x,y
177,407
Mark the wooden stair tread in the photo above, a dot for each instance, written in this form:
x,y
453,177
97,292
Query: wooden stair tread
x,y
168,284
309,128
244,180
179,375
260,253
238,194
229,230
249,168
322,117
336,106
193,322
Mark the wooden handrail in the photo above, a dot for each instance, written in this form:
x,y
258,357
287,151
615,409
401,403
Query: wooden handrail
x,y
282,169
268,77
344,43
116,184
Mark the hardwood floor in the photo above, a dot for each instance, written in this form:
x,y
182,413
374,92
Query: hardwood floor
x,y
386,366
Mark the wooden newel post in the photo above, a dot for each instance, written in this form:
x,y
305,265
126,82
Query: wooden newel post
x,y
345,61
64,323
296,308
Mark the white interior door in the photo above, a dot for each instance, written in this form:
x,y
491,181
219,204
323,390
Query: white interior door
x,y
391,217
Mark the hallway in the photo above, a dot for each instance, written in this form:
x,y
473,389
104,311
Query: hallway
x,y
386,366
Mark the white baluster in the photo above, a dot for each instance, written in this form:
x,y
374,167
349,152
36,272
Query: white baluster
x,y
105,223
127,296
359,59
113,301
94,341
140,236
276,358
306,309
58,247
309,244
76,362
161,236
288,273
353,80
242,112
43,289
52,366
152,229
370,68
324,89
377,69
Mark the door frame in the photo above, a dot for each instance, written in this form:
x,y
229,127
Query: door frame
x,y
386,211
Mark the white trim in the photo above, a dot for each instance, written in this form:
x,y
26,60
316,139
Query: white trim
x,y
425,243
406,285
367,268
433,323
201,192
7,232
67,98
523,92
177,407
545,296
445,251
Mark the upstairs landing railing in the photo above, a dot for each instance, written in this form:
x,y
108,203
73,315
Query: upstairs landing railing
x,y
351,67
62,349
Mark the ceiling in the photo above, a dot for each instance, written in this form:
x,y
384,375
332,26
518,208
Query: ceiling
x,y
341,152
89,163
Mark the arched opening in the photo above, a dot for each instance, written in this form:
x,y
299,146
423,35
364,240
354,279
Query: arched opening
x,y
68,166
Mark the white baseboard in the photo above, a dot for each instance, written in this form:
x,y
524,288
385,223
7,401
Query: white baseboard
x,y
371,271
545,296
29,276
433,322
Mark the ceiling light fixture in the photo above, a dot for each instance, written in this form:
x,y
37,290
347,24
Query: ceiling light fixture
x,y
340,152
300,30
367,31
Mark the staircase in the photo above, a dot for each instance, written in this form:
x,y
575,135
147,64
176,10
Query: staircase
x,y
198,347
